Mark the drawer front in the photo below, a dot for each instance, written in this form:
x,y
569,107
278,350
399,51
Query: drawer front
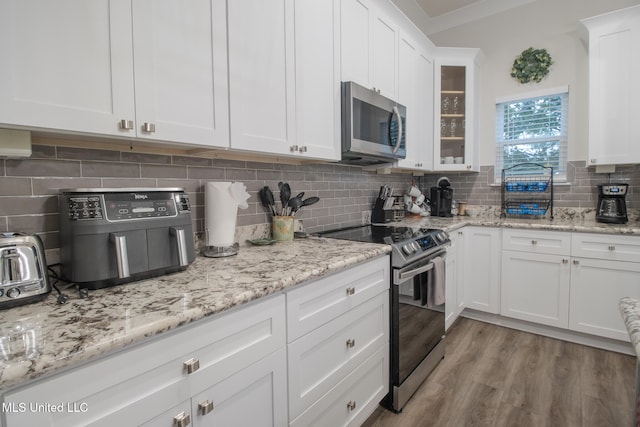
x,y
537,241
317,303
354,399
222,345
320,359
606,246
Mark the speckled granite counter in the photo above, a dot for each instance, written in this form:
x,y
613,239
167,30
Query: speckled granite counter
x,y
41,338
630,311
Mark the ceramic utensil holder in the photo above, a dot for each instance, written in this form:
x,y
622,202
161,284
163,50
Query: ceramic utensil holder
x,y
283,228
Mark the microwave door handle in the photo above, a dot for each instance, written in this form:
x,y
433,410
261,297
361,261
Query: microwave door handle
x,y
396,113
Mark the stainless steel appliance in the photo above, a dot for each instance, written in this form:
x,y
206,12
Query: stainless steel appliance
x,y
441,198
110,236
373,127
23,269
612,207
417,322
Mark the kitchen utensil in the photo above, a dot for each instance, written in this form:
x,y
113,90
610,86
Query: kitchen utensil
x,y
285,194
294,204
282,228
268,194
23,269
310,201
300,195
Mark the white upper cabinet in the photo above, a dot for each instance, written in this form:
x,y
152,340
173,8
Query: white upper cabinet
x,y
456,107
283,87
180,71
415,91
128,68
614,87
369,47
66,64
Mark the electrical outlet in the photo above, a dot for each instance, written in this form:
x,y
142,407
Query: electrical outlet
x,y
366,217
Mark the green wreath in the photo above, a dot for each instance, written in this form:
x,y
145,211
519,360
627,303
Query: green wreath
x,y
531,66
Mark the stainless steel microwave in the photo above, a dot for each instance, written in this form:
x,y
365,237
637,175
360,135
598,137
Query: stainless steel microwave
x,y
373,127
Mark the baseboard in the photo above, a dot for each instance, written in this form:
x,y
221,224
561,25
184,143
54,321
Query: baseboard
x,y
550,331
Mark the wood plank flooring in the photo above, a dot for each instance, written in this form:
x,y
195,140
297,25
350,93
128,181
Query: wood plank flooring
x,y
500,377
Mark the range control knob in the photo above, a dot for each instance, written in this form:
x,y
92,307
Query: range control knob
x,y
416,246
408,249
13,293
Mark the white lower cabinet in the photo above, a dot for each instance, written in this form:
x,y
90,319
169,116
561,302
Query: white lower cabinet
x,y
454,266
235,361
482,268
338,351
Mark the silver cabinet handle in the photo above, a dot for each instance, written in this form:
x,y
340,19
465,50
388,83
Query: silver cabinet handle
x,y
205,407
351,405
122,257
534,242
191,365
351,291
182,420
293,148
148,127
612,248
351,343
303,149
126,124
468,166
565,261
576,262
181,241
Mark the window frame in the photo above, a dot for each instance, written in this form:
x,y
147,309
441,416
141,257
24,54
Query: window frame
x,y
559,175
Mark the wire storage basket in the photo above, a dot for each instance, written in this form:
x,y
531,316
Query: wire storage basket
x,y
527,191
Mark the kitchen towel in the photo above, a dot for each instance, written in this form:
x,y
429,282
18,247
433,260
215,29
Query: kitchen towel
x,y
436,287
221,203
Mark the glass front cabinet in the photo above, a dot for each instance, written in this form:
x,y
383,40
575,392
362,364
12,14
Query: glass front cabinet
x,y
456,105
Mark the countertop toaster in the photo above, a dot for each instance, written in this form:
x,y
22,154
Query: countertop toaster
x,y
112,236
23,269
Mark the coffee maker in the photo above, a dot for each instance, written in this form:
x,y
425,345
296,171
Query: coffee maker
x,y
441,198
612,207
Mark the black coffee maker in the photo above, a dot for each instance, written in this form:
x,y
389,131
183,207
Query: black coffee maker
x,y
441,198
612,207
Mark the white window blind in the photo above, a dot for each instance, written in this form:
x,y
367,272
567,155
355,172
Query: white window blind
x,y
533,130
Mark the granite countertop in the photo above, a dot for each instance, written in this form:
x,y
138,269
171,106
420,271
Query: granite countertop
x,y
630,311
45,337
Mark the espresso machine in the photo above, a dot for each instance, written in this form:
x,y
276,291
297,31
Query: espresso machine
x,y
612,207
441,198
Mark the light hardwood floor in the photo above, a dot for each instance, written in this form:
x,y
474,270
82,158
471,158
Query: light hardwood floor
x,y
495,376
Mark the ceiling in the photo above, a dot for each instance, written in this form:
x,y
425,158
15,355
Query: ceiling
x,y
435,8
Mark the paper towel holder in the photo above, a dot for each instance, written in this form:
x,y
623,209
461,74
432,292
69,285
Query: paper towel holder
x,y
219,251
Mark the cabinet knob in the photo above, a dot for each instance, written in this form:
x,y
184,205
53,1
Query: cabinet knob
x,y
534,242
351,343
351,405
148,127
351,291
293,148
205,407
565,261
191,365
612,248
182,420
126,124
576,262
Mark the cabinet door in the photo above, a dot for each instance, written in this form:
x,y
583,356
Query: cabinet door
x,y
596,289
415,91
482,268
66,65
261,75
535,287
355,38
455,301
180,71
384,55
255,396
614,66
317,79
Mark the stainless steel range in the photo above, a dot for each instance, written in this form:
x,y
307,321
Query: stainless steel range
x,y
417,302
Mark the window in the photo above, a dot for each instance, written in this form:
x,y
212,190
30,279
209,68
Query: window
x,y
533,129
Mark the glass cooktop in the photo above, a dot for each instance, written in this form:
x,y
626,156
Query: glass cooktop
x,y
385,234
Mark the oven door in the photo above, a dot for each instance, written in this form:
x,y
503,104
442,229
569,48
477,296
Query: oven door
x,y
418,324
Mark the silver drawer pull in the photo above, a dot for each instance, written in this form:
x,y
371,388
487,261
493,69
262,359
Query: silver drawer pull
x,y
576,262
565,261
126,124
182,420
293,148
351,405
205,407
351,343
303,149
148,127
612,248
351,291
191,365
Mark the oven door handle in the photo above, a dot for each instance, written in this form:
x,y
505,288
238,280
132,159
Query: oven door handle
x,y
399,277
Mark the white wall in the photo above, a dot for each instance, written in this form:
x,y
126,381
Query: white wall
x,y
550,24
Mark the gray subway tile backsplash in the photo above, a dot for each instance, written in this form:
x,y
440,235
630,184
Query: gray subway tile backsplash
x,y
29,187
